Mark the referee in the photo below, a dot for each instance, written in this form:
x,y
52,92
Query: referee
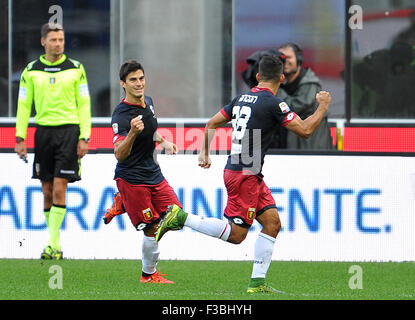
x,y
59,89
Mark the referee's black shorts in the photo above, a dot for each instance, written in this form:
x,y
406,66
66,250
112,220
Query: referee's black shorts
x,y
56,153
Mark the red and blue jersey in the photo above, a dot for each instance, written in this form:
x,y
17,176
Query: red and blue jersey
x,y
140,167
255,116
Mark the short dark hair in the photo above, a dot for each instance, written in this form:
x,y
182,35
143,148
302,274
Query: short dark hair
x,y
48,27
129,66
270,68
297,51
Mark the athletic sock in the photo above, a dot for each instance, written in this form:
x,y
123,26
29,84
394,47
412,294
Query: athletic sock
x,y
56,216
264,246
210,226
46,212
150,255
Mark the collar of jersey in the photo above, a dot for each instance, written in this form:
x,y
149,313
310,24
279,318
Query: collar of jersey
x,y
48,63
132,104
257,89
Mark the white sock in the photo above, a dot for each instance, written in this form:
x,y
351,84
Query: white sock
x,y
211,226
150,255
264,246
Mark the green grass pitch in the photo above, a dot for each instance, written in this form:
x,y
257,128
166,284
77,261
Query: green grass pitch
x,y
202,280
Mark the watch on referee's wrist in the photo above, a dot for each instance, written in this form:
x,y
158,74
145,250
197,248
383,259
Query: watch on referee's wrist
x,y
86,139
19,139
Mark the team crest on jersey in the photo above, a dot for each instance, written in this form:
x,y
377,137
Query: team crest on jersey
x,y
147,214
284,107
251,213
52,80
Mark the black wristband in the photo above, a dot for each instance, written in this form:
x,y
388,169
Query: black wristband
x,y
18,139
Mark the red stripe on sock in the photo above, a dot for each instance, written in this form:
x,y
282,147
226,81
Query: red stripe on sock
x,y
226,227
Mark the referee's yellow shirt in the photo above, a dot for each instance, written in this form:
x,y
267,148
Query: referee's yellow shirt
x,y
60,93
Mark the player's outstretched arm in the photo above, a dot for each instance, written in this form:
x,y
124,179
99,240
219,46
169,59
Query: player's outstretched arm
x,y
305,128
216,121
168,146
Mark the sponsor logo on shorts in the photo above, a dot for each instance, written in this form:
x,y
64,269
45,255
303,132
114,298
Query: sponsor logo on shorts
x,y
238,221
141,226
251,213
52,80
147,214
67,171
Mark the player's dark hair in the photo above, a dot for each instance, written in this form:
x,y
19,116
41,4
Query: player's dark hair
x,y
129,66
297,51
270,68
48,27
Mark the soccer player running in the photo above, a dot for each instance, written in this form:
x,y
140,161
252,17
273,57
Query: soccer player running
x,y
144,193
254,116
59,89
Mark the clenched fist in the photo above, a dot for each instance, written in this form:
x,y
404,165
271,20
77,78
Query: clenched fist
x,y
137,125
323,97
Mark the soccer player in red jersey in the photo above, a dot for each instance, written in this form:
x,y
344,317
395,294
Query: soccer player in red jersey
x,y
254,116
144,193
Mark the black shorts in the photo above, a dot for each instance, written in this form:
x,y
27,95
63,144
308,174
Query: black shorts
x,y
56,153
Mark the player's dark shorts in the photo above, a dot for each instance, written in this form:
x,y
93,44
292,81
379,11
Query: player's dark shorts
x,y
56,153
146,204
248,197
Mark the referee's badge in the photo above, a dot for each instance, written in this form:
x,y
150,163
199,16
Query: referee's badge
x,y
251,213
147,214
52,80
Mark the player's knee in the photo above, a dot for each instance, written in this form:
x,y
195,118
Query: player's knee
x,y
277,224
59,196
272,226
237,237
151,229
47,195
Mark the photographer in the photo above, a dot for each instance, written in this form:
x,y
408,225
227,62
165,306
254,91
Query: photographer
x,y
299,91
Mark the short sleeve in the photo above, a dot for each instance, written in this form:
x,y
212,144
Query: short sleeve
x,y
282,112
120,127
227,110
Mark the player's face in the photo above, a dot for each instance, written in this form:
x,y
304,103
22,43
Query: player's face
x,y
290,65
135,84
54,43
